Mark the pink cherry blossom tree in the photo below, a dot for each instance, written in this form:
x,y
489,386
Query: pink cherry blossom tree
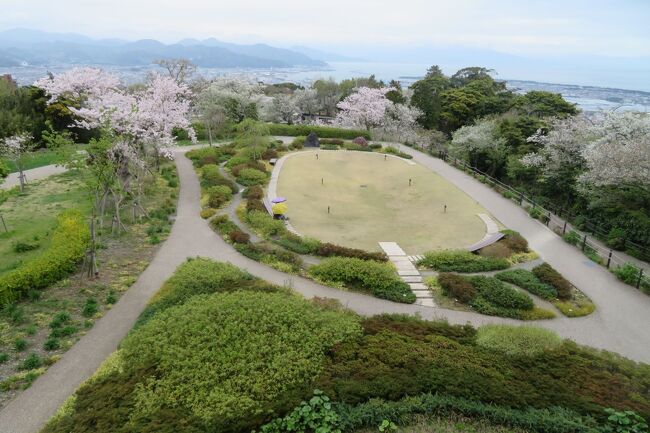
x,y
366,108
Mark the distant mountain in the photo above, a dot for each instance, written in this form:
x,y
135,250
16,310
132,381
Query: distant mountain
x,y
324,55
36,48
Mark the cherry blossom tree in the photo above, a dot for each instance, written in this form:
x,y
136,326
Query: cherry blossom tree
x,y
479,143
284,108
15,148
366,108
401,123
237,97
619,155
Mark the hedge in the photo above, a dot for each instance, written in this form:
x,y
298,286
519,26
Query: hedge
x,y
552,420
370,276
528,281
320,131
461,261
547,274
68,246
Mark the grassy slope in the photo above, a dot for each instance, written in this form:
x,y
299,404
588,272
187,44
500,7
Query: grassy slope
x,y
387,209
32,216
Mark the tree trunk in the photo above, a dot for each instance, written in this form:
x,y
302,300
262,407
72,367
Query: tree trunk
x,y
209,133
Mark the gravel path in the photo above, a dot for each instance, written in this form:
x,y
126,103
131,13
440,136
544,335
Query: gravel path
x,y
31,175
619,324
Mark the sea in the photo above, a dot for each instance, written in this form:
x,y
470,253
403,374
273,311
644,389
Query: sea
x,y
582,92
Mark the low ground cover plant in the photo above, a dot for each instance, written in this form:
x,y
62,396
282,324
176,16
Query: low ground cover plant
x,y
320,131
220,350
461,261
369,276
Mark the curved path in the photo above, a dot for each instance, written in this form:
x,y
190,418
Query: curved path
x,y
619,324
31,175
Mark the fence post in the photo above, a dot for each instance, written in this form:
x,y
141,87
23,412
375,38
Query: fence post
x,y
3,223
638,282
548,218
564,227
584,242
609,258
521,199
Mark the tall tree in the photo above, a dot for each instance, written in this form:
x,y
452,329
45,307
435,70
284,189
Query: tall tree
x,y
179,70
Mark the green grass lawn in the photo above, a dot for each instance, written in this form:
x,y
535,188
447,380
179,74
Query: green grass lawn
x,y
40,158
31,217
370,201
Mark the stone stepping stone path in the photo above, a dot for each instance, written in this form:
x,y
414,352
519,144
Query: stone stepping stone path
x,y
408,272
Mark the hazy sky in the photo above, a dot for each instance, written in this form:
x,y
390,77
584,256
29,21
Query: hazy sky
x,y
616,28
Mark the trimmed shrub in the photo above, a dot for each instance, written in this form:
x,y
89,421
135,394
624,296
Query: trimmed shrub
x,y
331,141
457,287
251,176
370,276
255,205
239,237
253,192
269,154
461,261
375,146
513,240
572,237
321,131
218,196
251,164
497,293
497,250
535,213
548,275
66,249
528,281
210,176
208,213
277,258
264,224
297,244
552,420
327,249
223,225
360,141
517,340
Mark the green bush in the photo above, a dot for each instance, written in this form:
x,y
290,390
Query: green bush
x,y
90,308
67,248
461,261
326,249
392,361
513,240
550,276
52,344
4,357
501,295
218,196
254,192
572,237
24,246
222,225
253,204
264,224
371,276
535,213
284,261
628,273
32,362
20,344
457,287
517,340
321,131
528,281
275,345
210,177
251,176
197,277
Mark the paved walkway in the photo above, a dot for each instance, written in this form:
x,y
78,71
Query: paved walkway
x,y
408,273
32,175
620,323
